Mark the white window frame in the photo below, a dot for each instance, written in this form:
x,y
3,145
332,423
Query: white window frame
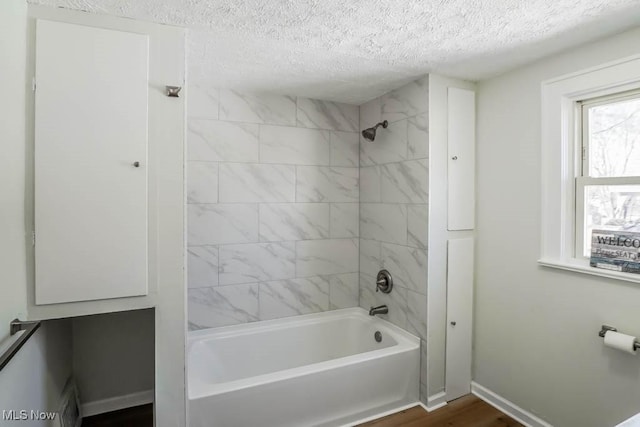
x,y
561,160
583,179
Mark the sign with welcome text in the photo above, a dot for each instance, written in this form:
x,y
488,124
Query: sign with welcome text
x,y
616,250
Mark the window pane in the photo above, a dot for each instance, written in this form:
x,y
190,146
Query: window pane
x,y
610,207
614,139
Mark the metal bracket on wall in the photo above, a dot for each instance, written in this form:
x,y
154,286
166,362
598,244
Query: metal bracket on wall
x,y
173,91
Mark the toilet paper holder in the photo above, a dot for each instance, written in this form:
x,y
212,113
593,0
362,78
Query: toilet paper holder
x,y
605,328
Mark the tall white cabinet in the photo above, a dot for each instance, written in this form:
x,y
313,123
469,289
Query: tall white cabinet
x,y
91,137
461,130
451,238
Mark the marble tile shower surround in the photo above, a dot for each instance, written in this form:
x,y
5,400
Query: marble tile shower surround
x,y
394,214
291,212
273,206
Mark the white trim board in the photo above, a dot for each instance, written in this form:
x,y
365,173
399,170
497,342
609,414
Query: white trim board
x,y
511,409
116,403
436,401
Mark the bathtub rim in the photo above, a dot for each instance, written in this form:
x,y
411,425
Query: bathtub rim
x,y
302,319
405,341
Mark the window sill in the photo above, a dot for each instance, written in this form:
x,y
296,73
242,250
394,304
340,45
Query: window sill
x,y
584,268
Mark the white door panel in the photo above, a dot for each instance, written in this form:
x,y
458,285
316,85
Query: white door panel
x,y
91,123
459,317
461,163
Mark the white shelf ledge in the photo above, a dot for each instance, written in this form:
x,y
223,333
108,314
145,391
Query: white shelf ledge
x,y
584,268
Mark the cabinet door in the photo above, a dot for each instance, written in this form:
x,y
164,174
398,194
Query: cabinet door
x,y
459,317
90,163
461,164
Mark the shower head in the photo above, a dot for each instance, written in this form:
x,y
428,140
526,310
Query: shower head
x,y
370,133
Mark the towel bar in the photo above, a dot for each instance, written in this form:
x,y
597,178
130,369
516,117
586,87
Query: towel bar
x,y
14,327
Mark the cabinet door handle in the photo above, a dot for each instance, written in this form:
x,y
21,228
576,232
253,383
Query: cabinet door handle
x,y
136,164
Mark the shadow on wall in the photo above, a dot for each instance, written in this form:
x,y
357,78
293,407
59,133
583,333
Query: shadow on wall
x,y
113,354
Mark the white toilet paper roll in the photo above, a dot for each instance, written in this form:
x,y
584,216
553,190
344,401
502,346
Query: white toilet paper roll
x,y
620,341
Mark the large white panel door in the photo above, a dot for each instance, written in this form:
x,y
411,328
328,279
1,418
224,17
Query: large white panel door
x,y
459,317
461,164
90,163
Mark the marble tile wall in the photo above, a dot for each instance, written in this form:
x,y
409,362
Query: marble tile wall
x,y
394,196
273,206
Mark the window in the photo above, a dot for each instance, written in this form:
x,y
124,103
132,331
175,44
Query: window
x,y
590,162
608,183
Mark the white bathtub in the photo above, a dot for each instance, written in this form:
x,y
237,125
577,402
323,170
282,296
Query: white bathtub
x,y
322,369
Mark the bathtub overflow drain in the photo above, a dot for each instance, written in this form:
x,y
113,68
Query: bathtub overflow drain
x,y
378,336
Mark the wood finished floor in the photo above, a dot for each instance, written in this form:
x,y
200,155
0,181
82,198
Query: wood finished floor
x,y
468,411
139,416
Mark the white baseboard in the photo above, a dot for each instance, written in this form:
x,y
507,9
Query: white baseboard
x,y
117,403
509,408
436,401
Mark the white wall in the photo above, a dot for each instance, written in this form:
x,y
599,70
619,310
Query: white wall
x,y
273,206
35,378
536,340
113,354
13,54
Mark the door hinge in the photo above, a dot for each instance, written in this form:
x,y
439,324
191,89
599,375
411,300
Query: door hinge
x,y
33,84
33,238
584,153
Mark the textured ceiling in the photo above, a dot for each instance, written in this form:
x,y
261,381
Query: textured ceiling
x,y
355,50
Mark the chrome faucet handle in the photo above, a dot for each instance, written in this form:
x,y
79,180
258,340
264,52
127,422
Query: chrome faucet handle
x,y
384,282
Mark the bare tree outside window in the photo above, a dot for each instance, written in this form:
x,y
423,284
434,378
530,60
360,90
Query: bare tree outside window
x,y
613,152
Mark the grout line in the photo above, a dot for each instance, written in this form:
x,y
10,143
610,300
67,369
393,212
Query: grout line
x,y
298,240
271,124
